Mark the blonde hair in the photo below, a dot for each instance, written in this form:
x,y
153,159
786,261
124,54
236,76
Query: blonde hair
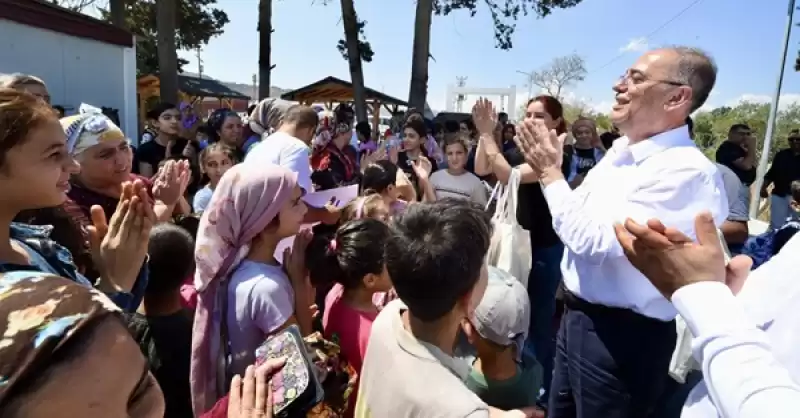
x,y
362,207
17,80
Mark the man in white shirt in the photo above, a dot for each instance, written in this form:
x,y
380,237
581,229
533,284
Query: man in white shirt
x,y
747,344
289,147
618,333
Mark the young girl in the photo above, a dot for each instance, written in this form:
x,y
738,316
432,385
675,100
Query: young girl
x,y
353,259
415,159
369,206
244,293
383,178
215,160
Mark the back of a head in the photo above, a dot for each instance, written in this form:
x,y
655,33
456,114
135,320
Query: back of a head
x,y
346,256
171,250
361,207
364,129
435,254
302,117
697,70
378,176
18,80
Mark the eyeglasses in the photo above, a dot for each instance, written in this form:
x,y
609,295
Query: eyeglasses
x,y
634,77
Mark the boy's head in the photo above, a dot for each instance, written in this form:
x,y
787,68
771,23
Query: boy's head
x,y
502,317
795,189
456,149
171,250
436,259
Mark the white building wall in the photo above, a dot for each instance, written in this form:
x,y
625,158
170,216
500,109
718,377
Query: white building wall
x,y
76,70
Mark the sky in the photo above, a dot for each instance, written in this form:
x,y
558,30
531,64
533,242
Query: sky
x,y
745,41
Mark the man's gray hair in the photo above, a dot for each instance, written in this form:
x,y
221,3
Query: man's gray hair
x,y
17,80
697,70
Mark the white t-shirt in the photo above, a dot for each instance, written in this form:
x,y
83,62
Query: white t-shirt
x,y
287,151
465,186
403,377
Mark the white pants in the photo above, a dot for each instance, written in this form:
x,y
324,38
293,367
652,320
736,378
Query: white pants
x,y
779,211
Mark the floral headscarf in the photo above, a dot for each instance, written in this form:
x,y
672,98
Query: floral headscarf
x,y
40,313
268,115
246,200
88,128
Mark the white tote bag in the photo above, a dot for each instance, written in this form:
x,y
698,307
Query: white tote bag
x,y
510,249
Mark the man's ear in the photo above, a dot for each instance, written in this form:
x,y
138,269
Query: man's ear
x,y
469,331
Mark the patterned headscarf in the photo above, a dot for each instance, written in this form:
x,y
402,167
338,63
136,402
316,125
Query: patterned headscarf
x,y
268,115
246,200
40,313
88,128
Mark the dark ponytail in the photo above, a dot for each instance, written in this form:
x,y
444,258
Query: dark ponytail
x,y
349,254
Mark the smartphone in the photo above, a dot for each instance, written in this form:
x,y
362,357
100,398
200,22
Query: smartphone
x,y
725,250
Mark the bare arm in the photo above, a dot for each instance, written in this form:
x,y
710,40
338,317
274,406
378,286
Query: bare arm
x,y
735,232
489,159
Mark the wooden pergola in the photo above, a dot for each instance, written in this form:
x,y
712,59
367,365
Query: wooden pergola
x,y
191,90
332,90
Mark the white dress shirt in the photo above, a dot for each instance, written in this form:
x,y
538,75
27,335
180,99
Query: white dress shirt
x,y
748,345
664,177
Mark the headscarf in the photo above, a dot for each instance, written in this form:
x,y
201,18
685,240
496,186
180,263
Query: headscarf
x,y
89,128
268,115
583,121
40,314
246,200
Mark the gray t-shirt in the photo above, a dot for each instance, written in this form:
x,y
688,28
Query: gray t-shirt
x,y
738,195
463,186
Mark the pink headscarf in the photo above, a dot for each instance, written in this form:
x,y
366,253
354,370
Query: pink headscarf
x,y
246,200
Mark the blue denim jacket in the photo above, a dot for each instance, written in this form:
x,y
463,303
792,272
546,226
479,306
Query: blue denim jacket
x,y
47,256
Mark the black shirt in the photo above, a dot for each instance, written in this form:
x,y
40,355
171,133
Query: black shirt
x,y
784,170
166,342
151,152
727,153
533,213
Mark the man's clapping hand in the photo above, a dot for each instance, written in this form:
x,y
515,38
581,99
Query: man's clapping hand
x,y
671,260
543,148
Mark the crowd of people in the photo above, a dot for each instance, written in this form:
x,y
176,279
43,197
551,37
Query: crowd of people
x,y
151,281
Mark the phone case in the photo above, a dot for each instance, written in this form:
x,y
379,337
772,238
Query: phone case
x,y
296,387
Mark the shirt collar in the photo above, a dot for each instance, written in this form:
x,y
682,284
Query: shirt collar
x,y
640,151
420,349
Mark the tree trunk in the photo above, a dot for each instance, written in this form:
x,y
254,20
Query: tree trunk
x,y
264,47
419,62
166,17
117,11
350,21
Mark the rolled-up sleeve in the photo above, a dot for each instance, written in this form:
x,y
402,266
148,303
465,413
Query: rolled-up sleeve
x,y
675,197
743,377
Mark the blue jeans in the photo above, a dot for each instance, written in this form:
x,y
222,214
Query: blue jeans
x,y
543,283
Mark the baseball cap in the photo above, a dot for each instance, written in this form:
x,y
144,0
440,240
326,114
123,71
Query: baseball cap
x,y
503,315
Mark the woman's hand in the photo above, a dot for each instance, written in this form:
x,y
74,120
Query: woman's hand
x,y
422,167
484,116
251,396
120,247
372,157
171,181
294,260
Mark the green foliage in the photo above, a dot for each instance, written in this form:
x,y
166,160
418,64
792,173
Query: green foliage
x,y
198,22
711,128
364,47
504,13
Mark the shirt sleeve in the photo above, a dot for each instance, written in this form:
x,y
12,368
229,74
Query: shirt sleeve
x,y
743,377
675,196
297,159
271,304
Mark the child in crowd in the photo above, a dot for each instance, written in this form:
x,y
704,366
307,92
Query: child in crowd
x,y
254,207
435,256
381,177
502,375
215,160
455,180
163,328
370,206
353,259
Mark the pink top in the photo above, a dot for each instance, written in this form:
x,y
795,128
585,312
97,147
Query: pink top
x,y
350,328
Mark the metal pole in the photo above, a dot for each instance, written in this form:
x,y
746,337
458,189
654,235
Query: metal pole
x,y
530,82
773,113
